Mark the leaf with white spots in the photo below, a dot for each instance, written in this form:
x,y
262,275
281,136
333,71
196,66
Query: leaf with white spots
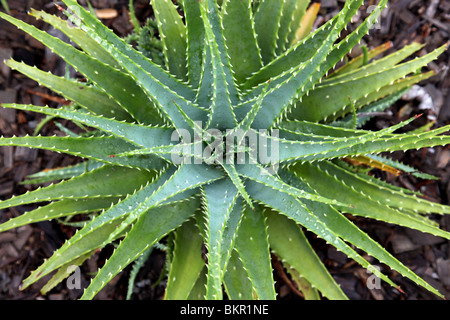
x,y
173,36
351,233
151,226
116,84
103,182
187,252
218,201
101,149
91,98
59,209
252,245
289,243
49,175
236,280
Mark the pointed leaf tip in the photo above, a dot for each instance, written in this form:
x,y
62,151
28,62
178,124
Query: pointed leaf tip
x,y
400,289
59,7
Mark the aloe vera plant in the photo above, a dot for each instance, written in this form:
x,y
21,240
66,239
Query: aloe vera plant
x,y
233,130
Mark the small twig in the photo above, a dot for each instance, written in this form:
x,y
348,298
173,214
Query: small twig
x,y
280,271
438,24
49,97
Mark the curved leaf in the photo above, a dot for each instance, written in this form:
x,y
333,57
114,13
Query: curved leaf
x,y
187,252
151,226
252,245
290,244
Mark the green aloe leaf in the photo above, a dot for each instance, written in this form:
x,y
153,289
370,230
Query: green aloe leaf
x,y
204,96
59,209
78,36
238,183
404,168
324,100
198,292
290,150
88,97
237,283
379,193
264,176
222,115
307,23
143,72
108,40
288,241
133,133
302,51
187,251
267,22
351,233
218,201
363,203
342,48
277,100
88,243
149,228
117,84
116,217
377,65
297,211
5,6
65,271
137,265
359,61
242,47
195,41
187,178
101,149
308,290
292,15
230,232
49,175
173,36
103,182
252,244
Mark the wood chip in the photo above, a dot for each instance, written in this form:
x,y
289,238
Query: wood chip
x,y
8,96
11,251
23,233
56,296
8,158
5,53
25,154
328,3
402,243
106,13
423,239
432,7
6,188
407,16
20,172
443,269
7,237
444,159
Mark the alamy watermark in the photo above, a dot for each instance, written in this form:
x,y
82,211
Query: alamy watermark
x,y
232,146
373,281
73,282
376,10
